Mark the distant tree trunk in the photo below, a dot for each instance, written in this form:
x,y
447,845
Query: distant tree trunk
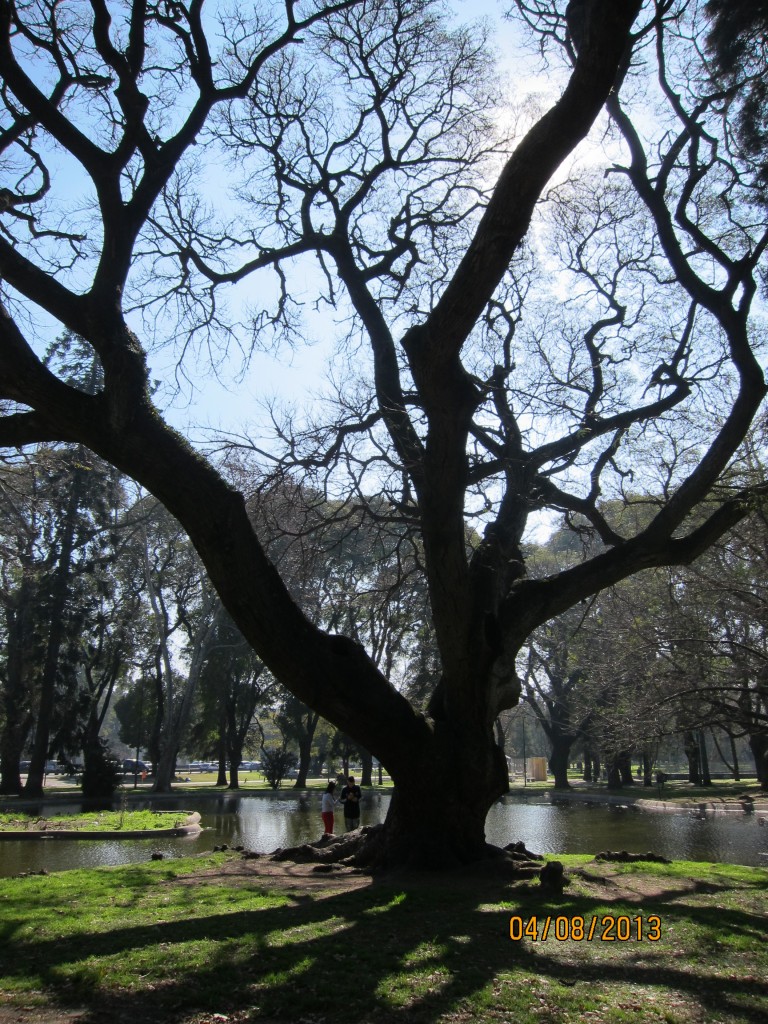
x,y
559,757
614,772
735,756
177,718
305,755
647,767
734,767
691,748
625,768
14,735
706,778
235,757
758,744
304,739
15,696
153,741
56,631
222,746
366,765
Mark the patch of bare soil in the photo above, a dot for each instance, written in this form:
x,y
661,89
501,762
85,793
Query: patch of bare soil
x,y
323,880
606,882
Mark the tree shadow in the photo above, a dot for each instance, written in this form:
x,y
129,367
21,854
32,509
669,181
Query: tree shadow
x,y
415,948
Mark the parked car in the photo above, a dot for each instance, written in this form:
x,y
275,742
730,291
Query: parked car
x,y
133,767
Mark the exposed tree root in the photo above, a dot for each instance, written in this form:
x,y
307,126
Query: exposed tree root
x,y
366,849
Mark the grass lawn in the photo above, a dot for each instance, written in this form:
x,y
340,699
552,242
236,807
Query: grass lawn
x,y
93,821
217,939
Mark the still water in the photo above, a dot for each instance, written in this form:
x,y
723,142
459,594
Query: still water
x,y
265,822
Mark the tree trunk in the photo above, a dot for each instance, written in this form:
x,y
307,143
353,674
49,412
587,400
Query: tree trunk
x,y
735,756
437,815
758,744
222,745
178,711
624,762
60,591
16,694
732,768
691,748
305,753
11,748
647,767
305,738
706,778
558,759
165,768
366,765
153,741
614,773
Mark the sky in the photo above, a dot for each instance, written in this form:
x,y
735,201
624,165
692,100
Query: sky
x,y
233,402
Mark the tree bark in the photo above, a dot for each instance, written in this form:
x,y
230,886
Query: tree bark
x,y
706,778
758,744
559,758
647,767
692,753
366,766
19,683
735,756
60,591
625,768
437,815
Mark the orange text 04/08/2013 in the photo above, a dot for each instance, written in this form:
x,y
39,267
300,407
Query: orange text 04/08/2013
x,y
607,928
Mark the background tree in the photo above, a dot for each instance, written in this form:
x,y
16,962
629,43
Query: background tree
x,y
553,674
738,43
234,680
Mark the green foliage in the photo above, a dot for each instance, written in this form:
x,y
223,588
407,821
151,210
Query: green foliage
x,y
101,774
738,42
276,762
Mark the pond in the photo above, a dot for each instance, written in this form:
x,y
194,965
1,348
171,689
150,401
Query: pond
x,y
266,821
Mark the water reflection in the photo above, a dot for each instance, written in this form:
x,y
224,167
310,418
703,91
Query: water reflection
x,y
268,821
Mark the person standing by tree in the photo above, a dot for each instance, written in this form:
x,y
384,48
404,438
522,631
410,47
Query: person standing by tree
x,y
326,809
351,796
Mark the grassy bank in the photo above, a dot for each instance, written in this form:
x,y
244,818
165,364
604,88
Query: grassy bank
x,y
94,821
187,940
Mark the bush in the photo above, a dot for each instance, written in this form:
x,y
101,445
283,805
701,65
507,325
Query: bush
x,y
276,762
101,774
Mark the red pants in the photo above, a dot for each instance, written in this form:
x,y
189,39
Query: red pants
x,y
327,817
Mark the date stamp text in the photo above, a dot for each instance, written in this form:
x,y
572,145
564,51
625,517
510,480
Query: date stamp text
x,y
607,928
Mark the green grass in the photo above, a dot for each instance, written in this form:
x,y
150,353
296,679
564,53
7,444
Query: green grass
x,y
162,942
95,821
721,789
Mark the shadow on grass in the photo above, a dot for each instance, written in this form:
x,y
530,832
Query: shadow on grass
x,y
416,950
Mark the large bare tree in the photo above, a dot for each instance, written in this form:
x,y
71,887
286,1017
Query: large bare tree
x,y
367,146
